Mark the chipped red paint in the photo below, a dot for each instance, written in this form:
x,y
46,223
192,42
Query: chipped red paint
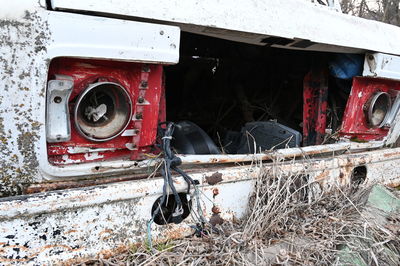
x,y
354,119
315,96
145,85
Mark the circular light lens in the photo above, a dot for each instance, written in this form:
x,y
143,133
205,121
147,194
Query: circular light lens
x,y
378,108
102,111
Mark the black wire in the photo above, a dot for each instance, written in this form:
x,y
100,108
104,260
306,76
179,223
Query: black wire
x,y
171,162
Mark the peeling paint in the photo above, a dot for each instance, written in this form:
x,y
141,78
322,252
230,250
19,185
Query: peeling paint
x,y
30,37
75,224
23,38
93,156
76,150
67,160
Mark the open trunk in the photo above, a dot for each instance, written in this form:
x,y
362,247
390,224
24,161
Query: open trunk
x,y
231,89
323,108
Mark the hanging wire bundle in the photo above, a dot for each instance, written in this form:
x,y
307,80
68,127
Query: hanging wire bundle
x,y
171,162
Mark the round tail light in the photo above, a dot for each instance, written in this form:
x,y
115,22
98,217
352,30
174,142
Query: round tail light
x,y
377,109
102,111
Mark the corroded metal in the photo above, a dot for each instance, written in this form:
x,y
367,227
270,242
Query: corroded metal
x,y
24,36
30,37
315,104
74,224
100,208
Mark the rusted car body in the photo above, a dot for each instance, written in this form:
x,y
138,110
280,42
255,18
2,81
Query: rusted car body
x,y
86,84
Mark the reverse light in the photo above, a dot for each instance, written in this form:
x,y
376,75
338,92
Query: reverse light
x,y
371,108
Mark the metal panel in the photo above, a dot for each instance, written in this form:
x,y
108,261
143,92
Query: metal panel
x,y
105,168
31,37
140,133
315,103
58,123
70,225
355,122
95,37
382,66
252,21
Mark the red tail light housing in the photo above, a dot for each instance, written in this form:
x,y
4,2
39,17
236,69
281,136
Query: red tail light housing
x,y
367,94
114,109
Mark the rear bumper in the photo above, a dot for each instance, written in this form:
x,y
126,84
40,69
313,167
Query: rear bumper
x,y
74,224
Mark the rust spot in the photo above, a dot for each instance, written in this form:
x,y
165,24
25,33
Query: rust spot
x,y
215,192
214,178
322,176
103,254
176,233
37,188
215,210
106,231
391,154
36,252
109,253
394,184
216,219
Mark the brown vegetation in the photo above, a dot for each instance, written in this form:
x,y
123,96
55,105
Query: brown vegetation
x,y
291,221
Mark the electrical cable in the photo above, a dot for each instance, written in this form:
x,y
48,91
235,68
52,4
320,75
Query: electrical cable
x,y
171,162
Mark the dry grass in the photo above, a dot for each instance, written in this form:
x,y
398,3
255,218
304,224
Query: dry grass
x,y
290,222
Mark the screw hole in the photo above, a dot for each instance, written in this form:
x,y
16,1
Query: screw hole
x,y
57,99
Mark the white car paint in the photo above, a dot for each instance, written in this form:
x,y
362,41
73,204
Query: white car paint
x,y
71,225
251,21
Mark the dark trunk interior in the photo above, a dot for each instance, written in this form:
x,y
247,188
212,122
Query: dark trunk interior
x,y
221,85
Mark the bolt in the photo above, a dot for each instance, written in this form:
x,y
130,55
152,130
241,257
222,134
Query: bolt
x,y
57,99
139,116
140,100
143,84
161,32
146,68
371,57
